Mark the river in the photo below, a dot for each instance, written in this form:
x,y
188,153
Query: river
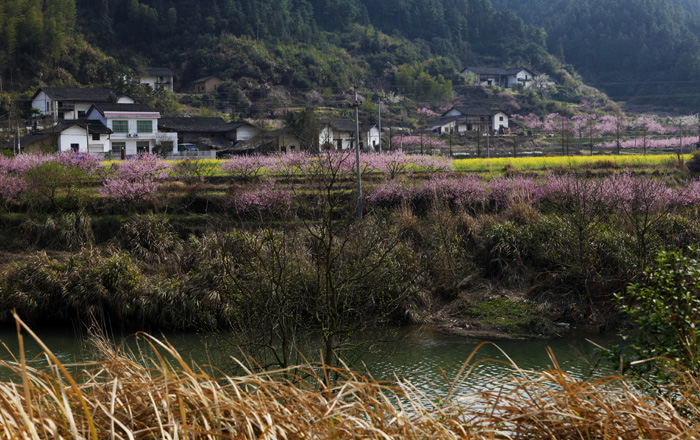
x,y
419,354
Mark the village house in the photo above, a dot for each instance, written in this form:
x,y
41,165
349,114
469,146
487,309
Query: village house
x,y
496,76
208,134
134,129
207,84
77,136
69,104
157,78
339,134
284,141
462,119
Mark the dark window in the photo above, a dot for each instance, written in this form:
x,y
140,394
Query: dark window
x,y
81,114
118,146
95,136
75,147
500,118
142,147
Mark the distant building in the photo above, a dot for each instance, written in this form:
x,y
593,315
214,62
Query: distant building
x,y
158,78
207,84
134,128
78,136
69,104
496,76
462,119
339,134
210,133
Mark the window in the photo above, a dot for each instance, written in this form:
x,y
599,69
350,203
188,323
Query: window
x,y
75,147
142,147
120,126
144,126
117,147
500,118
95,136
81,114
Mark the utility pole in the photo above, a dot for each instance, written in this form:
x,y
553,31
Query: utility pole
x,y
451,131
379,113
421,142
488,144
478,141
356,105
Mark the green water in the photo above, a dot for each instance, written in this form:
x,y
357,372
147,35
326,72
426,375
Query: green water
x,y
420,355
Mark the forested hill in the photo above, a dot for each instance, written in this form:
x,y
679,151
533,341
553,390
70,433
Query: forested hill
x,y
299,44
644,50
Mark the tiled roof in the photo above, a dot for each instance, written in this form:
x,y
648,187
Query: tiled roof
x,y
77,94
343,125
158,71
204,79
93,126
191,125
516,70
476,111
487,70
130,108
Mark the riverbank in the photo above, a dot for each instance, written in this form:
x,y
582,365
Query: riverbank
x,y
157,393
530,253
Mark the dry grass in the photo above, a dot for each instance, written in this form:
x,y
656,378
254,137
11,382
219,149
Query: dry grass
x,y
120,398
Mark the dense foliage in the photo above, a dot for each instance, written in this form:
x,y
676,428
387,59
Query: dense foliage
x,y
646,49
318,44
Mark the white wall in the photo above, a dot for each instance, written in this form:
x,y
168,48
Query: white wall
x,y
522,77
40,103
245,132
498,123
153,81
73,135
326,136
371,138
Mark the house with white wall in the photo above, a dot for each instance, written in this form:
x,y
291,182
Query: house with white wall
x,y
461,119
496,76
134,128
157,78
78,136
69,104
339,134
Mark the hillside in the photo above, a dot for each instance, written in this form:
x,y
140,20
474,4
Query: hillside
x,y
303,46
642,51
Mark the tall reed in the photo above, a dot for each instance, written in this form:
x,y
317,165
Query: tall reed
x,y
161,395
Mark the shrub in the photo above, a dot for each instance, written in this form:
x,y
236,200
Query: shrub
x,y
666,307
149,238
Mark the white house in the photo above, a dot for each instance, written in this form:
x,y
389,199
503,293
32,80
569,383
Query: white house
x,y
157,78
134,128
496,76
78,136
68,104
461,119
369,137
340,134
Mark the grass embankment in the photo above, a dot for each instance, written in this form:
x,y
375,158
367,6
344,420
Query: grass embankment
x,y
158,394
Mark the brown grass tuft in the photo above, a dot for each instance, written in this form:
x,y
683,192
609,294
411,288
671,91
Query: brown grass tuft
x,y
120,397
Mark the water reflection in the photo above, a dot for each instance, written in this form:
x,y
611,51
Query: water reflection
x,y
422,356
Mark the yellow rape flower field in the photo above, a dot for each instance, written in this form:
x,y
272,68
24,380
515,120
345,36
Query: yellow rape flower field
x,y
499,163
